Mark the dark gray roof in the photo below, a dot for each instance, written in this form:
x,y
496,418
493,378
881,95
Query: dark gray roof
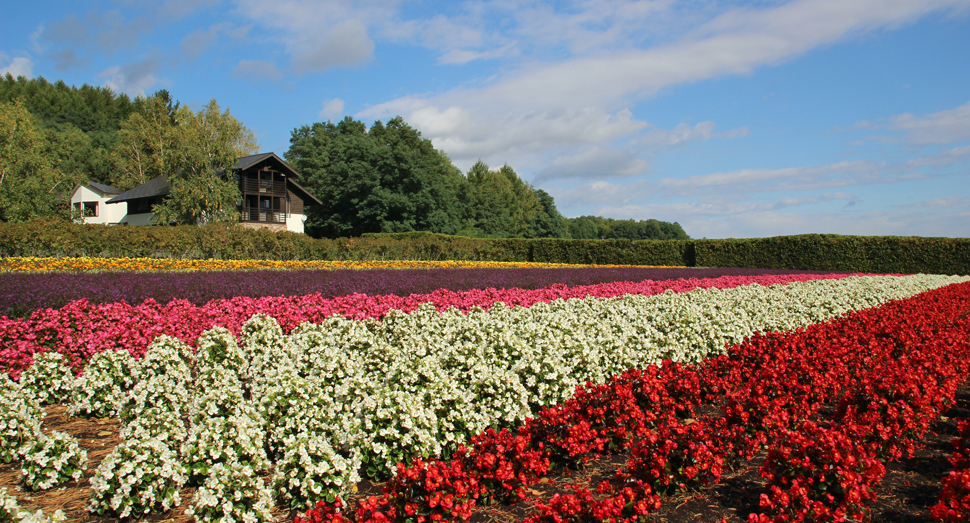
x,y
245,162
150,189
105,189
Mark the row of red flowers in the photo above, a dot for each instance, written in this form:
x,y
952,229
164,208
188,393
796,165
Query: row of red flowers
x,y
831,402
81,329
954,505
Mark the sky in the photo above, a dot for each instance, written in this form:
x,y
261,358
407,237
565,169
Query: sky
x,y
736,119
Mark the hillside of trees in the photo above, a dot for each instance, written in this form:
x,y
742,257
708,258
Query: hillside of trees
x,y
382,178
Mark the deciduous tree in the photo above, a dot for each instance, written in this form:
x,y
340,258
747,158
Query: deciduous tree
x,y
199,165
30,186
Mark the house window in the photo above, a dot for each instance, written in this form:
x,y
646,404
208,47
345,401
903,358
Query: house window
x,y
86,209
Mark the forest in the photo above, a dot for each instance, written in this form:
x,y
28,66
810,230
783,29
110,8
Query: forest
x,y
381,178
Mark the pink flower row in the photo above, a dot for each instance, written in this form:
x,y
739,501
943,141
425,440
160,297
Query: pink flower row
x,y
81,329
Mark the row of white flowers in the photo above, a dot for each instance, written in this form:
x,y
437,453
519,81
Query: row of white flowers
x,y
301,415
415,383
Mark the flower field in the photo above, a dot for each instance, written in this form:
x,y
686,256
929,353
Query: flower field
x,y
87,264
23,292
245,404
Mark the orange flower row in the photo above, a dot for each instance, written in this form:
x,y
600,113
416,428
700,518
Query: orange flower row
x,y
85,264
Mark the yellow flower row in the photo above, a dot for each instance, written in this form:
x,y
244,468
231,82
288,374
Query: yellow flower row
x,y
17,264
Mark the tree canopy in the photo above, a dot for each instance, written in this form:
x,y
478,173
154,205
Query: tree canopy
x,y
383,179
204,147
597,227
389,179
65,113
31,184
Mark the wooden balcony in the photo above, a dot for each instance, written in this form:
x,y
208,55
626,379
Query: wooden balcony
x,y
266,187
254,214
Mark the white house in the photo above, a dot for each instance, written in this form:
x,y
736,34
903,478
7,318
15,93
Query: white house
x,y
89,204
271,197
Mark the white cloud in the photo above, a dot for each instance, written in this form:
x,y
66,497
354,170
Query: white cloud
x,y
943,127
332,109
759,219
133,79
594,163
344,45
839,174
319,35
198,42
949,202
181,8
684,133
256,70
736,42
459,57
17,66
467,135
108,31
67,58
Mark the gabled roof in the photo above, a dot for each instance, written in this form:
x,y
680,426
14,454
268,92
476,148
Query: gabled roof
x,y
150,189
245,162
104,189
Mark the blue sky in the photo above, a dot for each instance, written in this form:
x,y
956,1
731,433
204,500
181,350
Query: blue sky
x,y
735,119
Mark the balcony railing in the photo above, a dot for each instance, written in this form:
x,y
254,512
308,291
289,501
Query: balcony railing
x,y
255,214
251,186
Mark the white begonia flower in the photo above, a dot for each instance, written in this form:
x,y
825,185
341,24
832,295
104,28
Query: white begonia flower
x,y
49,379
51,461
115,489
232,493
107,376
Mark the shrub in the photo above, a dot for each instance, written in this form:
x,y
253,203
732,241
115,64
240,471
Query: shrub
x,y
48,379
232,492
675,458
52,460
139,477
820,475
157,392
10,512
20,419
235,441
311,470
108,376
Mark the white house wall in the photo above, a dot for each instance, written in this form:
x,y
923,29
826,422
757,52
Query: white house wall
x,y
107,214
294,223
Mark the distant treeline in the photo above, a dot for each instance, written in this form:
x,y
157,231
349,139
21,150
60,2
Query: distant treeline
x,y
381,179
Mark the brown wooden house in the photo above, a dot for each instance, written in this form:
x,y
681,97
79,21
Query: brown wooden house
x,y
271,196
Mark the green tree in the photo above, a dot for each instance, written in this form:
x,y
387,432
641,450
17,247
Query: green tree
x,y
383,179
597,227
547,222
69,149
30,187
501,205
60,110
145,143
205,146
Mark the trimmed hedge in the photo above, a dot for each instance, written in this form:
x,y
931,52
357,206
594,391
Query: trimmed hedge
x,y
879,254
832,252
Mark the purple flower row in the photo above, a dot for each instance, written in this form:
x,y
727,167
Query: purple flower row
x,y
22,293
